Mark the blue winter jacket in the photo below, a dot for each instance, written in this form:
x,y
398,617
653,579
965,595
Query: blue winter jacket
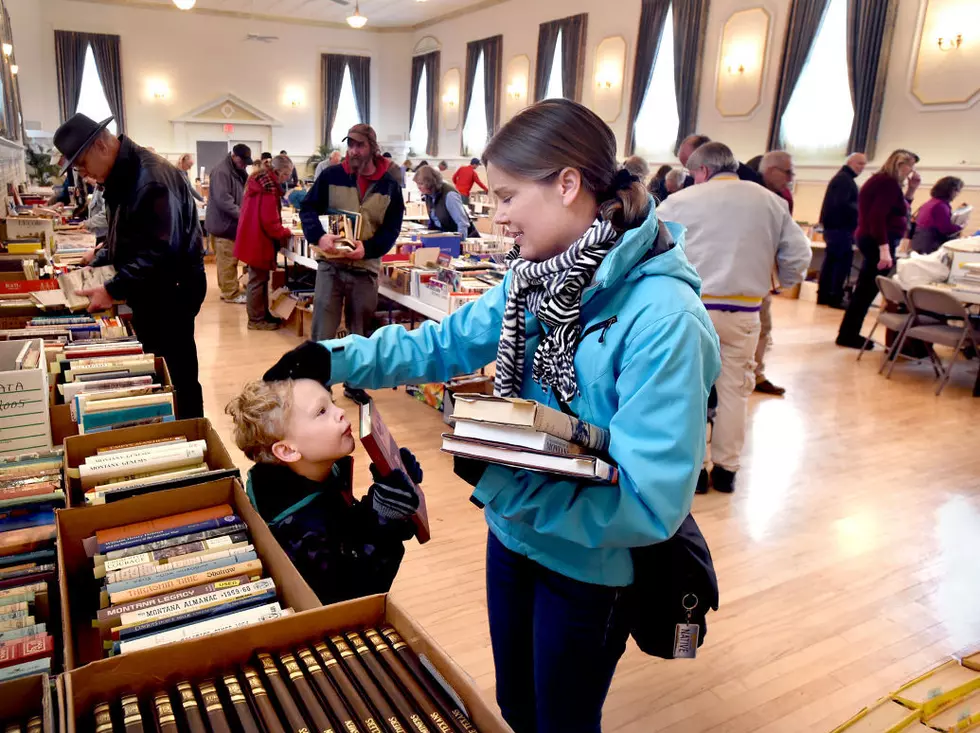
x,y
646,362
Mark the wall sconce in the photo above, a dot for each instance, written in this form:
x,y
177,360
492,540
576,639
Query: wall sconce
x,y
158,89
734,66
7,49
449,99
606,77
945,44
293,97
14,68
517,89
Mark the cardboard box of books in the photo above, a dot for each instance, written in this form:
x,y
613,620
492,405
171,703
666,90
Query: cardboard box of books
x,y
28,227
885,716
24,397
86,473
939,686
63,422
25,701
340,667
97,541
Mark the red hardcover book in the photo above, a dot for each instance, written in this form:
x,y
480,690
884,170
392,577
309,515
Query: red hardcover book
x,y
383,450
27,650
27,286
155,525
17,541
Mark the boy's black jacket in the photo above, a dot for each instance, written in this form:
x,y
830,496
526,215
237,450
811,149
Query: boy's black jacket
x,y
338,544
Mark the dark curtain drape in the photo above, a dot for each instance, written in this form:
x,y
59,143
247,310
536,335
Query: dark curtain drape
x,y
69,59
473,51
690,23
108,62
332,67
870,27
360,78
805,17
573,32
430,63
653,16
492,60
433,71
547,40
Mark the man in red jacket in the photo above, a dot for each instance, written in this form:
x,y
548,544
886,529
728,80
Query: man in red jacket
x,y
260,234
465,177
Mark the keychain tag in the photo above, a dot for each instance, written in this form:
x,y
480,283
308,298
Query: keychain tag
x,y
686,635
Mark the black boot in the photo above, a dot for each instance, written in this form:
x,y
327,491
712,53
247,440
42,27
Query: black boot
x,y
702,487
723,480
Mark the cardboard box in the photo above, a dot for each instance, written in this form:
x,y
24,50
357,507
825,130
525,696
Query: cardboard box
x,y
447,242
23,401
27,697
962,252
62,424
436,294
82,644
937,687
146,672
282,304
397,278
885,716
80,447
28,227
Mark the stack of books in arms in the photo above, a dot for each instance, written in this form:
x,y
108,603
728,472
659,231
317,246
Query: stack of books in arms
x,y
528,435
178,577
119,472
30,492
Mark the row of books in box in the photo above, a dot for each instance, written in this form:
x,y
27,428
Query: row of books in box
x,y
946,699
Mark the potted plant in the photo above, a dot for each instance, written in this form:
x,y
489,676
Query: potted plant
x,y
40,169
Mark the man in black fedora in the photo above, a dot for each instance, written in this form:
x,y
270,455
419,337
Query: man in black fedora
x,y
154,242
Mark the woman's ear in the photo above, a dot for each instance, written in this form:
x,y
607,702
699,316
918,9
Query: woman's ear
x,y
285,452
569,185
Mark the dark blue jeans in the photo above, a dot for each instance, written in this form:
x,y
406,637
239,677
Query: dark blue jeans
x,y
838,258
556,642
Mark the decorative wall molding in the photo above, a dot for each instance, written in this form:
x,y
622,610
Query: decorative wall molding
x,y
609,68
231,109
744,43
426,44
942,81
517,80
451,86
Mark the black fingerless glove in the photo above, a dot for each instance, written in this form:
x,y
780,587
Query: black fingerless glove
x,y
309,360
393,496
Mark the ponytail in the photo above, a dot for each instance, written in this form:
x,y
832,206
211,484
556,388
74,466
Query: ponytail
x,y
626,204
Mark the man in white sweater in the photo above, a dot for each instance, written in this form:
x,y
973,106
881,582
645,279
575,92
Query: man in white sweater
x,y
737,232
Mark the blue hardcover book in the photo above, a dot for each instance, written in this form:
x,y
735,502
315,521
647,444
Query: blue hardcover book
x,y
10,521
166,534
183,619
132,423
38,556
15,634
16,671
122,585
94,420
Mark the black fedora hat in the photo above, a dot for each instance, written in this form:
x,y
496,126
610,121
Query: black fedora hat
x,y
73,138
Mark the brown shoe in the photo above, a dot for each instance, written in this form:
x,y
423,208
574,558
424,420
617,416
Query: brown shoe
x,y
263,326
767,387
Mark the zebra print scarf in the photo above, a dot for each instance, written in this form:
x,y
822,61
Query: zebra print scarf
x,y
552,291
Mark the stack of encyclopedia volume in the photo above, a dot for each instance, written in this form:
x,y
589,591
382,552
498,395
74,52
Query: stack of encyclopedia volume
x,y
30,492
528,435
178,577
121,471
366,681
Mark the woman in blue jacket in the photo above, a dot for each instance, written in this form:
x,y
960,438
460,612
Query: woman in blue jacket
x,y
601,311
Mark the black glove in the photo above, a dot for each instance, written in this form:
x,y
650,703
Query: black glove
x,y
309,360
393,496
412,466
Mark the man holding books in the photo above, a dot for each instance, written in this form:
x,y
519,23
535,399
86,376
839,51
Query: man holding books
x,y
347,279
154,242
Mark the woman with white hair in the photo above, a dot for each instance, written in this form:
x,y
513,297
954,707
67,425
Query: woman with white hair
x,y
446,210
185,163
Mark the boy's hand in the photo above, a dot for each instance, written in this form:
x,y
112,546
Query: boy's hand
x,y
412,466
309,360
393,496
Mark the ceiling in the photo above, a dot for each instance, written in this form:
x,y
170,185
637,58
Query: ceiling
x,y
401,14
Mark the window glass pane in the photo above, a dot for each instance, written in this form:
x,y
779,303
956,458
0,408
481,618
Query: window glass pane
x,y
656,124
419,135
817,121
347,115
91,101
475,127
555,88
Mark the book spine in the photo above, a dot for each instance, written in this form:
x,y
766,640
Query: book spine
x,y
297,724
116,612
358,705
405,709
454,714
103,462
166,534
132,718
95,403
328,694
34,725
176,541
98,420
239,703
314,711
16,671
53,497
213,708
138,529
204,628
26,650
227,592
165,555
22,633
414,689
250,568
185,619
267,713
163,713
105,473
161,443
103,718
369,687
177,573
149,570
192,713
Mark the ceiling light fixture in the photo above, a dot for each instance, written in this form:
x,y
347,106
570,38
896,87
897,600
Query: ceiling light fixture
x,y
356,20
185,4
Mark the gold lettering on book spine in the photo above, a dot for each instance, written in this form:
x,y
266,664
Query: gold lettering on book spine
x,y
351,728
187,698
310,661
396,724
131,710
165,711
420,724
268,666
211,700
103,718
372,726
254,683
292,668
463,722
441,724
234,689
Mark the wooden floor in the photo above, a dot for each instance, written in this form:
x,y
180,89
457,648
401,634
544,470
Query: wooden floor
x,y
847,557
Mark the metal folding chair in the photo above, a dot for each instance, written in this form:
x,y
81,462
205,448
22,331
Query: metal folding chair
x,y
891,293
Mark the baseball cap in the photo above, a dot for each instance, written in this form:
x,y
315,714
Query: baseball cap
x,y
363,133
243,152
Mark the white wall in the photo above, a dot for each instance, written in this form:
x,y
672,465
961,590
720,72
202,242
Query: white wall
x,y
201,57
